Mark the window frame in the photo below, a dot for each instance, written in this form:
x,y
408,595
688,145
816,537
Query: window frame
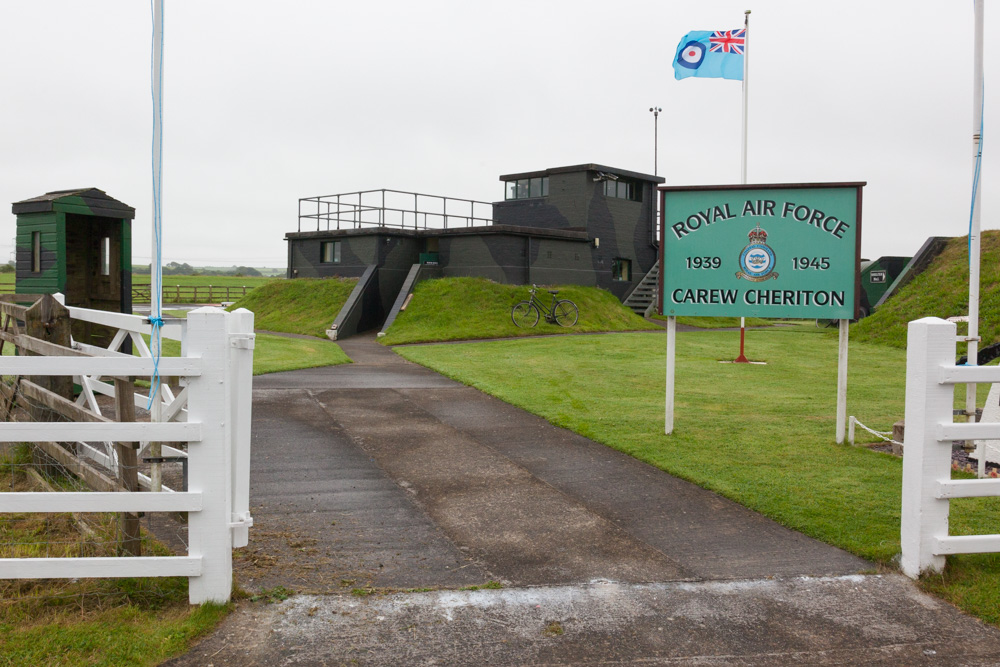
x,y
333,254
36,252
617,264
526,188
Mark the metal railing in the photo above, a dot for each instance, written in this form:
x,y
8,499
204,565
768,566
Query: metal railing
x,y
394,209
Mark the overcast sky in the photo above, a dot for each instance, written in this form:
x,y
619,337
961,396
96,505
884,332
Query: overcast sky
x,y
267,102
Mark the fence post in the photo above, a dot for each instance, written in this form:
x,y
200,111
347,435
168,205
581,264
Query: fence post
x,y
241,338
930,344
128,466
209,536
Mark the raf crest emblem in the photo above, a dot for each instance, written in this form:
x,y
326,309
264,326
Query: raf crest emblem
x,y
757,259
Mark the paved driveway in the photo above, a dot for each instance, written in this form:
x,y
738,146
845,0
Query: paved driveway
x,y
388,496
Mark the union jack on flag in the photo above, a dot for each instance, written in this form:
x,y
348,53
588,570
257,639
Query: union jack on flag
x,y
728,41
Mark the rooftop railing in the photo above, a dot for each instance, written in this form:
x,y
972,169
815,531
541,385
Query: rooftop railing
x,y
394,209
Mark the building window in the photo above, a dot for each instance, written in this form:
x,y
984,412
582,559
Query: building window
x,y
329,252
525,188
623,189
106,256
36,252
621,269
876,277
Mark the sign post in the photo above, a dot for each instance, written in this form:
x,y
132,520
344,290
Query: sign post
x,y
776,251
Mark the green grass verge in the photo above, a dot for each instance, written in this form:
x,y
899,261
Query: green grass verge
x,y
941,291
760,435
304,305
719,322
470,308
272,353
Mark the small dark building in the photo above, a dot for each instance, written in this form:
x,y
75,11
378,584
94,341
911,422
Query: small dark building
x,y
586,224
79,243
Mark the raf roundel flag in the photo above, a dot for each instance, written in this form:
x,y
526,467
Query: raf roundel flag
x,y
711,54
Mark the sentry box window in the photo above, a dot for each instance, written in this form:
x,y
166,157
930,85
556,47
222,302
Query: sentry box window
x,y
329,252
106,256
36,252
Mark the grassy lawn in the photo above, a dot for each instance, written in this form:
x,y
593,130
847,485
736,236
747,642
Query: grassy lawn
x,y
717,322
272,354
470,308
760,435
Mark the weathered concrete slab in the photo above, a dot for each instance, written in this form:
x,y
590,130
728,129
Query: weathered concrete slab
x,y
710,536
326,518
856,620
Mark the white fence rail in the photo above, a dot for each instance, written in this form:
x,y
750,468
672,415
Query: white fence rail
x,y
931,374
211,414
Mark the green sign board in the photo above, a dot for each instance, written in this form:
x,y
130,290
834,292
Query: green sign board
x,y
761,250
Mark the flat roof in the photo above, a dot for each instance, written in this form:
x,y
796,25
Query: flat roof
x,y
584,167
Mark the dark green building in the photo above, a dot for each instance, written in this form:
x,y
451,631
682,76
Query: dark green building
x,y
586,224
79,243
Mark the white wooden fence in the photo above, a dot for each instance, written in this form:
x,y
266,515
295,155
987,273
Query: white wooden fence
x,y
211,413
931,374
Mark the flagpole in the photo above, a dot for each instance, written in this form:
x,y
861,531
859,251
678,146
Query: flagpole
x,y
972,357
742,359
746,87
155,405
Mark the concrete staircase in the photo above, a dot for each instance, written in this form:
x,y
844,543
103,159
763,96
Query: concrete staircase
x,y
643,297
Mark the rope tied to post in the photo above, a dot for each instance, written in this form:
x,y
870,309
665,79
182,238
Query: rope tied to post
x,y
880,434
156,342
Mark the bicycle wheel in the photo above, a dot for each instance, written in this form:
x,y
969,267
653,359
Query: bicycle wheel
x,y
565,313
524,314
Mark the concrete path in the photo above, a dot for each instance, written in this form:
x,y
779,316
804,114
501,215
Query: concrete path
x,y
376,481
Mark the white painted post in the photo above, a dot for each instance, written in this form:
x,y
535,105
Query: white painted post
x,y
930,345
842,381
850,428
972,355
241,346
209,535
668,423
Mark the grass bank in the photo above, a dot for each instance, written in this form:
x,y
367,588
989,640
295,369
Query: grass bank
x,y
470,308
304,305
760,435
941,291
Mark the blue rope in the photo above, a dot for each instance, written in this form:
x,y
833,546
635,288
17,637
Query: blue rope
x,y
976,172
156,263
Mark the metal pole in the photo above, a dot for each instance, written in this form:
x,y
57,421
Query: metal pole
x,y
668,417
656,138
742,359
977,152
746,91
156,269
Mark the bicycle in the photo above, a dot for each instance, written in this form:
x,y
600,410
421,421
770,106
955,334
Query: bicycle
x,y
562,311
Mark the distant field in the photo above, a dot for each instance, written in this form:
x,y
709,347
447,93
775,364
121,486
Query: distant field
x,y
231,281
183,281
